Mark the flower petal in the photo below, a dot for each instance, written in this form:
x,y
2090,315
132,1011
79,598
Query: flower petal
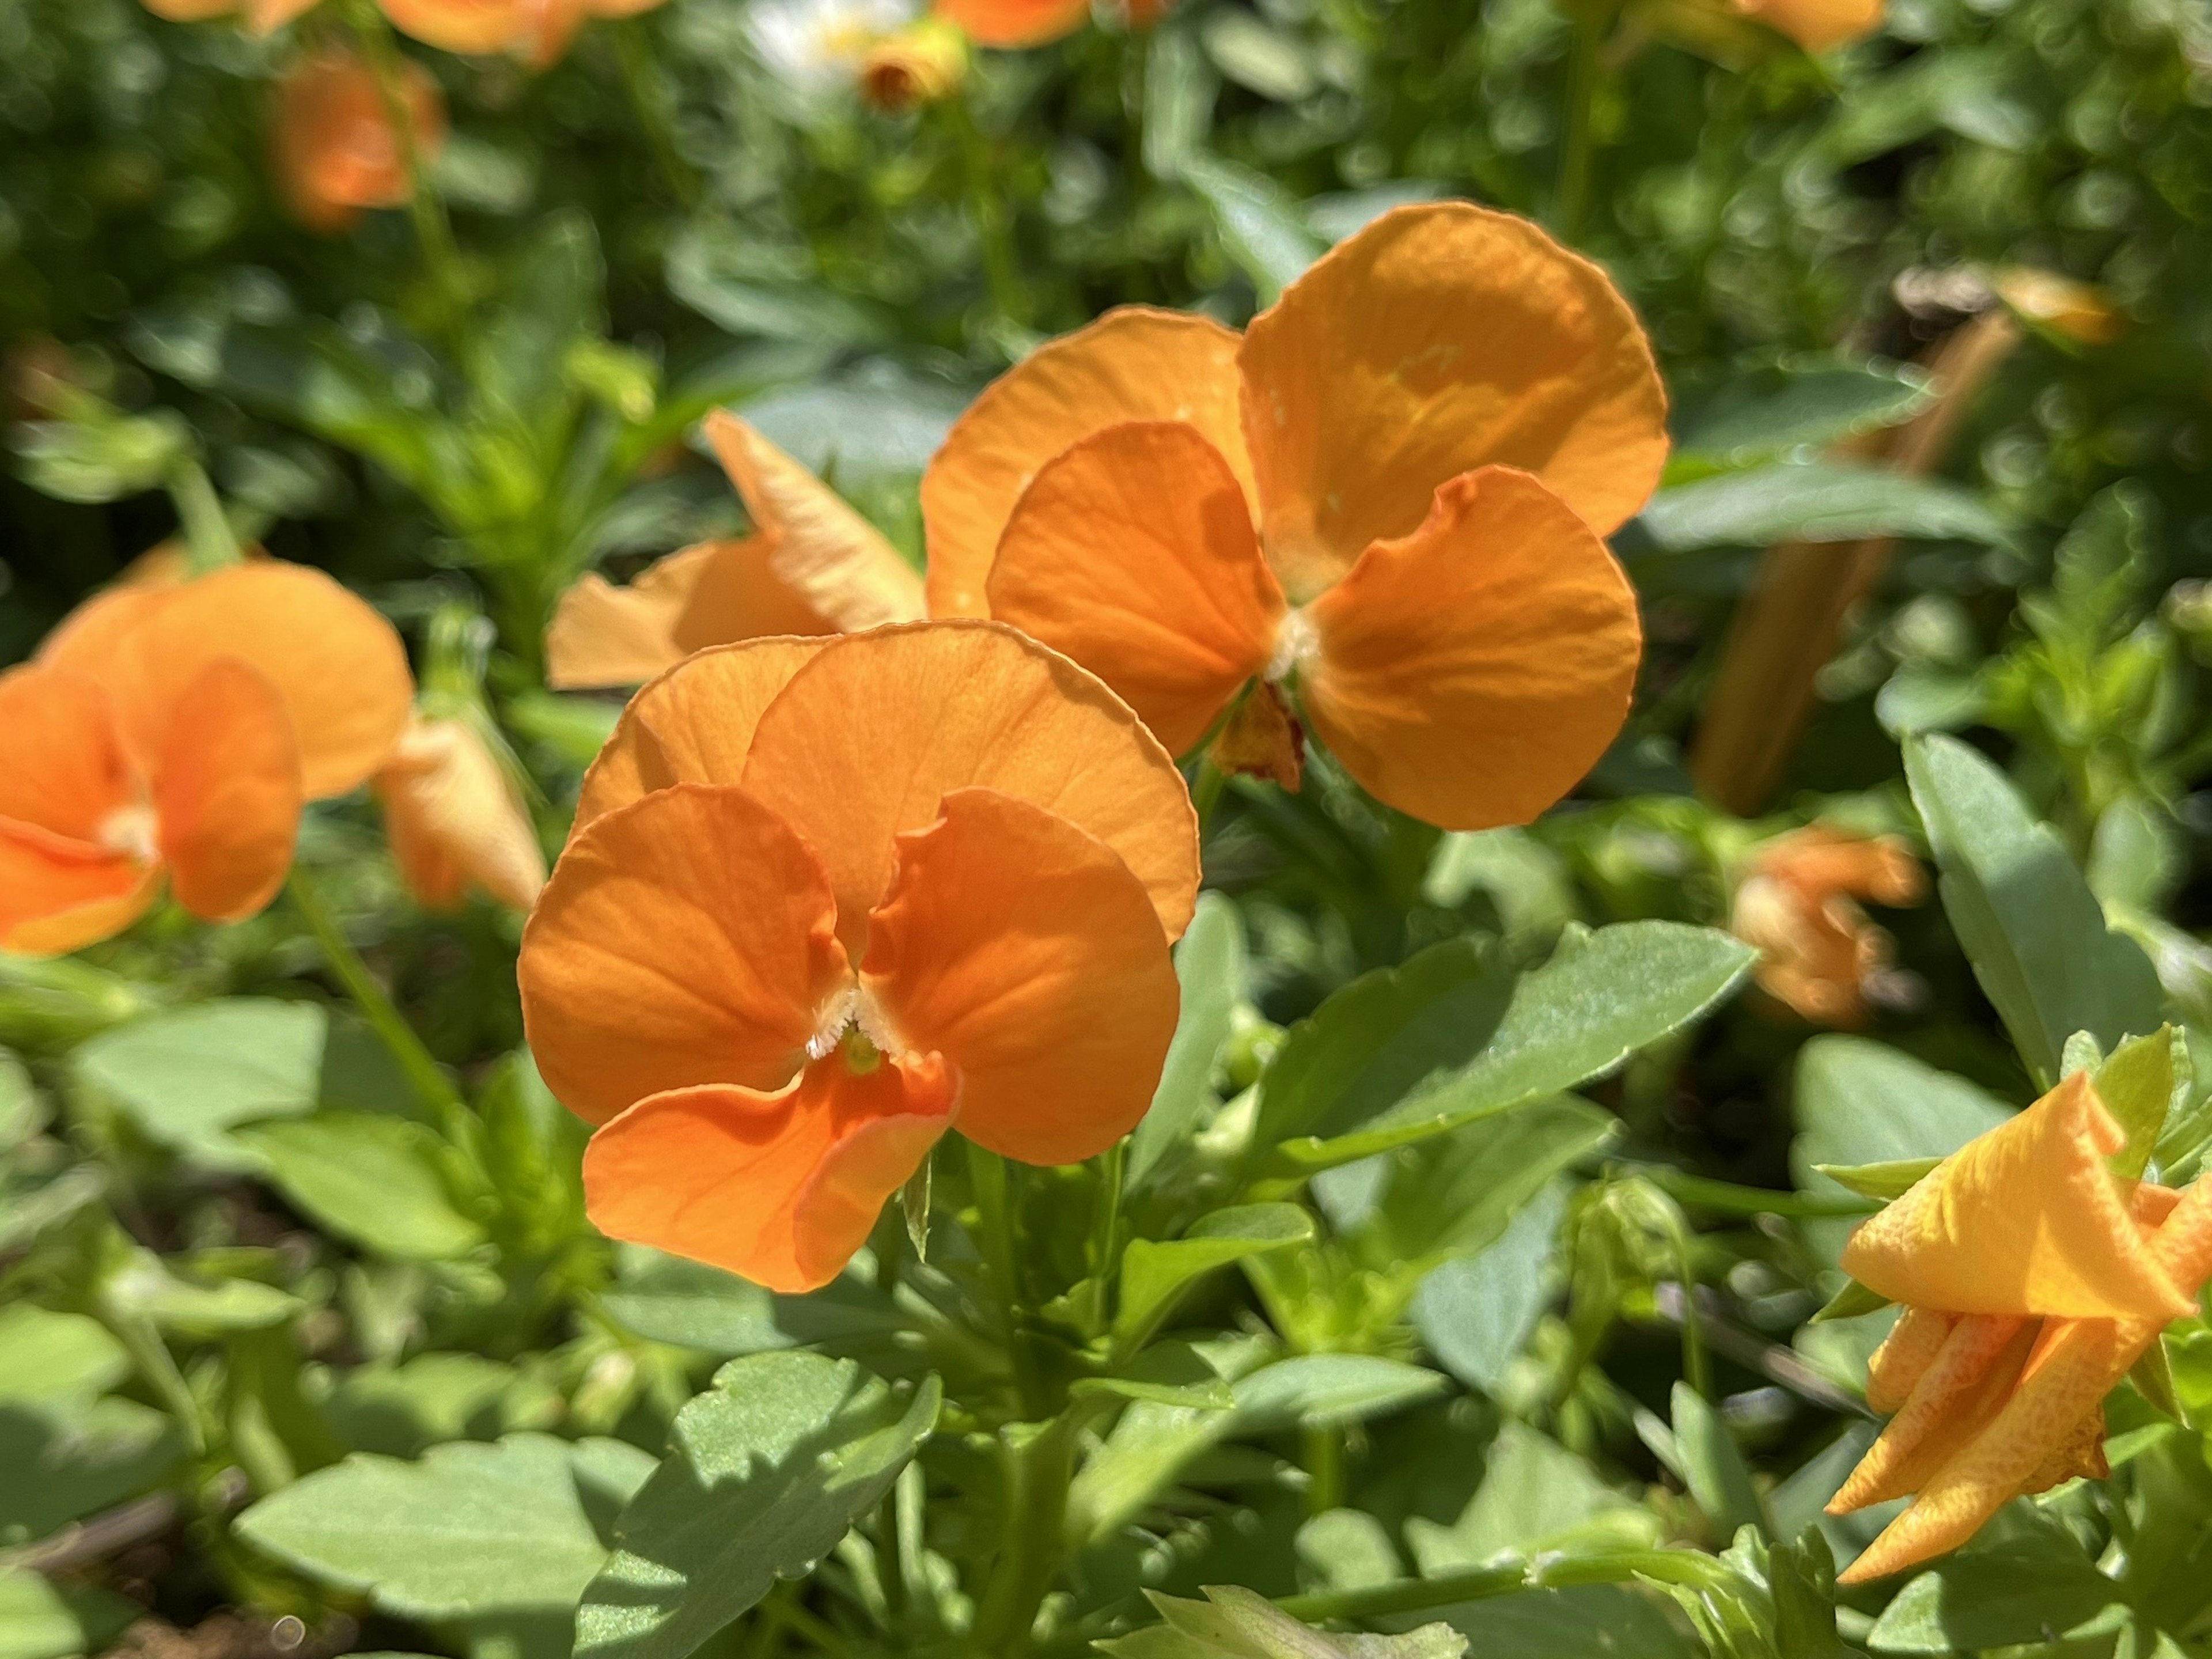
x,y
1132,552
454,819
1134,364
1471,672
2024,1219
871,735
1816,25
1015,23
692,724
58,895
602,635
227,794
1024,950
684,938
780,1187
63,767
1961,1387
1442,337
1904,1356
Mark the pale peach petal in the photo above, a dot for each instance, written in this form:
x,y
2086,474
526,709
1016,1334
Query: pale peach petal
x,y
1904,1356
455,820
602,636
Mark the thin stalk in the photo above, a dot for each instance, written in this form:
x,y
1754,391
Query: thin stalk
x,y
441,257
1037,1470
1107,1235
1727,1196
993,229
1324,1454
987,1174
421,1068
890,1562
210,542
1571,199
1408,1595
635,58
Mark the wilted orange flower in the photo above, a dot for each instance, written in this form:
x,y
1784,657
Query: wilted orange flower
x,y
1819,952
336,149
2080,310
2034,1279
811,565
175,730
828,898
259,17
1431,432
1816,25
920,64
537,31
454,819
1011,24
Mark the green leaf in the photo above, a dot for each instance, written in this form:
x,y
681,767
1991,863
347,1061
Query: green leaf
x,y
1272,62
1167,1374
517,350
1154,1272
1180,89
1802,1578
2141,1083
1713,1465
2027,920
1238,1624
1854,1301
1817,502
1878,1181
1476,1313
470,1529
403,1410
1210,965
692,1305
708,270
1260,225
2033,1589
56,1358
101,459
199,1306
377,1181
1764,416
766,1472
41,1620
1535,1496
64,1461
188,1077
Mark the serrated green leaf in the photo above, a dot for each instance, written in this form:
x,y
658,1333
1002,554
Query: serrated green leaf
x,y
1155,1271
2032,1589
377,1181
64,1461
1476,1313
765,1473
187,1076
403,1410
1210,966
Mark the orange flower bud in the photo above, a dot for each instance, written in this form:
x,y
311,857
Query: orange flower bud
x,y
918,65
336,151
2081,310
1819,952
456,821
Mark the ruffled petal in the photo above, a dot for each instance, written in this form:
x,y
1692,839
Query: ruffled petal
x,y
58,895
1132,553
692,724
227,796
2025,1219
1441,338
602,635
1012,24
1962,1388
62,765
871,736
1133,364
685,939
1021,949
780,1187
1471,672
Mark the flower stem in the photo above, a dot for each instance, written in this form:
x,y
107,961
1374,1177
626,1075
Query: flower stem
x,y
209,541
1571,199
441,257
635,56
421,1068
987,1173
993,227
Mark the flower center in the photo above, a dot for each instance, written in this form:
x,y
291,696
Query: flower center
x,y
132,832
1298,643
851,1024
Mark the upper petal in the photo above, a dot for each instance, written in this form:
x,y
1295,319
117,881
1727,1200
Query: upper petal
x,y
779,1187
1134,364
602,635
1471,672
2024,1219
1441,338
58,895
874,732
62,765
693,724
687,938
1132,552
227,794
1021,949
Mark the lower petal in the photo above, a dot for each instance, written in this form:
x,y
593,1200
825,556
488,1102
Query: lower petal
x,y
1904,1356
59,896
227,793
779,1187
1960,1388
1471,672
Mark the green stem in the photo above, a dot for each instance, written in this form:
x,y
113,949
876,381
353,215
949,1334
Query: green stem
x,y
421,1068
432,233
1037,1465
1480,1584
890,1565
987,1173
1324,1450
1205,792
1106,1240
634,57
210,542
1726,1195
1577,146
993,227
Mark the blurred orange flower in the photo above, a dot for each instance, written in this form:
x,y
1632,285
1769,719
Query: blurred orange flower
x,y
259,17
1819,952
828,898
454,819
173,729
1390,492
336,151
920,64
811,565
2081,312
537,31
2034,1279
1011,24
1816,25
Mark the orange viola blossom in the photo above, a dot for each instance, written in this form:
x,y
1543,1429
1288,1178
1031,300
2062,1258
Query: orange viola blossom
x,y
2033,1279
1819,952
1816,25
336,151
172,730
1011,25
1389,493
537,31
811,565
259,17
828,898
455,820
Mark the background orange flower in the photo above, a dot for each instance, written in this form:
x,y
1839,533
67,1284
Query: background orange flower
x,y
336,151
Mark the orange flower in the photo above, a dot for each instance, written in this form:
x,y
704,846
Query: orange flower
x,y
812,565
1011,24
828,898
2034,1279
920,64
175,730
1431,432
1819,952
259,17
537,31
336,150
455,821
1816,25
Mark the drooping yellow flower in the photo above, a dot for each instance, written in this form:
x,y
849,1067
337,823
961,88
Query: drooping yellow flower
x,y
2032,1279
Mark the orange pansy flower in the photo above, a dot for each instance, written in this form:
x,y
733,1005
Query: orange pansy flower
x,y
537,31
1390,490
454,819
811,565
336,148
1012,24
175,729
259,17
1816,25
2033,1279
1817,950
828,898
